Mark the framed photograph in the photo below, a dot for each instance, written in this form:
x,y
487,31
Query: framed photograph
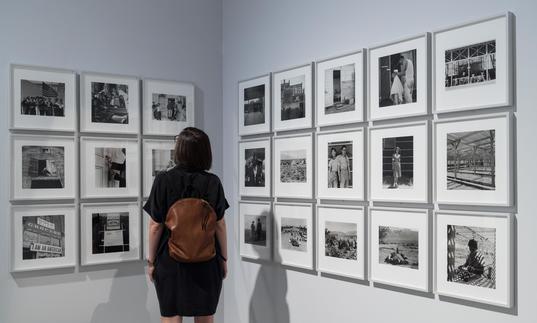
x,y
293,166
254,171
293,98
398,78
340,90
43,237
109,167
145,231
473,65
109,103
294,234
159,155
474,160
475,257
400,247
255,231
340,165
341,236
254,106
43,167
168,107
43,98
110,233
398,163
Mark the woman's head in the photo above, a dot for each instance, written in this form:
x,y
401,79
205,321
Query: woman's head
x,y
193,150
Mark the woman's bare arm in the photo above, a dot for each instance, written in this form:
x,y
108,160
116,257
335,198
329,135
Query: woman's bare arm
x,y
221,236
155,231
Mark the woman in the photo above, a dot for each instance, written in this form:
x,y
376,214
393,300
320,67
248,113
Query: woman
x,y
186,289
396,91
396,167
333,169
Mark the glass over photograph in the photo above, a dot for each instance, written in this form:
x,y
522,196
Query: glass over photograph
x,y
254,167
340,164
43,167
397,82
42,98
294,234
110,232
398,247
293,166
255,229
471,65
339,89
109,103
340,240
398,162
43,236
293,98
169,107
110,167
254,105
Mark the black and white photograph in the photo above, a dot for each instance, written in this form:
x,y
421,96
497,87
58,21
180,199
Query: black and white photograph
x,y
110,167
399,247
340,240
398,162
397,81
340,168
339,89
254,167
254,105
43,236
471,65
471,157
169,107
293,166
42,98
293,98
471,255
255,229
110,232
162,160
109,103
294,234
43,167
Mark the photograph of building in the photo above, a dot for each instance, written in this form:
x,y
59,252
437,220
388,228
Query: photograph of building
x,y
254,105
43,236
43,167
474,64
293,98
339,89
110,232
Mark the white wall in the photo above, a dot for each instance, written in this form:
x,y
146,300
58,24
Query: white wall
x,y
166,39
264,36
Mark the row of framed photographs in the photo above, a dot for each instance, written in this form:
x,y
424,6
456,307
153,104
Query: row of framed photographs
x,y
46,99
45,167
471,69
472,162
473,251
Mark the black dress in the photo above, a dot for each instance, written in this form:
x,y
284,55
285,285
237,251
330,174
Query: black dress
x,y
185,289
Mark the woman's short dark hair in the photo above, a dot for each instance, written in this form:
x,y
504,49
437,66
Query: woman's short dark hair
x,y
193,150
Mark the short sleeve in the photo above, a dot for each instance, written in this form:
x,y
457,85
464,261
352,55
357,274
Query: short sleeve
x,y
157,204
219,198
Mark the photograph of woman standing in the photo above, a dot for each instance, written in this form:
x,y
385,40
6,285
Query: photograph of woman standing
x,y
189,286
396,167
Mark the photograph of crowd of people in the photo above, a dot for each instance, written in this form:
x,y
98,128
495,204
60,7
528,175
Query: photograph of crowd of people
x,y
471,160
398,162
340,164
340,240
293,166
293,98
43,167
163,159
41,98
169,107
471,255
399,247
397,81
473,64
110,167
254,105
255,229
43,236
254,167
294,234
109,103
339,89
110,232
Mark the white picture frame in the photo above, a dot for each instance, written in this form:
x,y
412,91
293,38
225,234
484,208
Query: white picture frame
x,y
285,148
350,70
495,285
394,97
43,167
114,236
339,218
493,187
294,118
413,183
254,248
94,166
49,221
58,84
334,187
401,228
255,148
128,97
252,91
493,86
156,152
172,121
296,216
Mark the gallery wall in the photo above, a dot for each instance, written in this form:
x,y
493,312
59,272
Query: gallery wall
x,y
261,37
164,39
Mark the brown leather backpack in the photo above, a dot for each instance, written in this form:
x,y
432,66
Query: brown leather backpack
x,y
191,222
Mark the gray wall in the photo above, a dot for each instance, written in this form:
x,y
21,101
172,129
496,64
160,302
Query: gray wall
x,y
264,36
166,39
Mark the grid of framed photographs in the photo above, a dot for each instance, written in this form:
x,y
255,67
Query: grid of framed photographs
x,y
416,167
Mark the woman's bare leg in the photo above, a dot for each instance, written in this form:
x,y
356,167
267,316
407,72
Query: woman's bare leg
x,y
204,319
173,319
